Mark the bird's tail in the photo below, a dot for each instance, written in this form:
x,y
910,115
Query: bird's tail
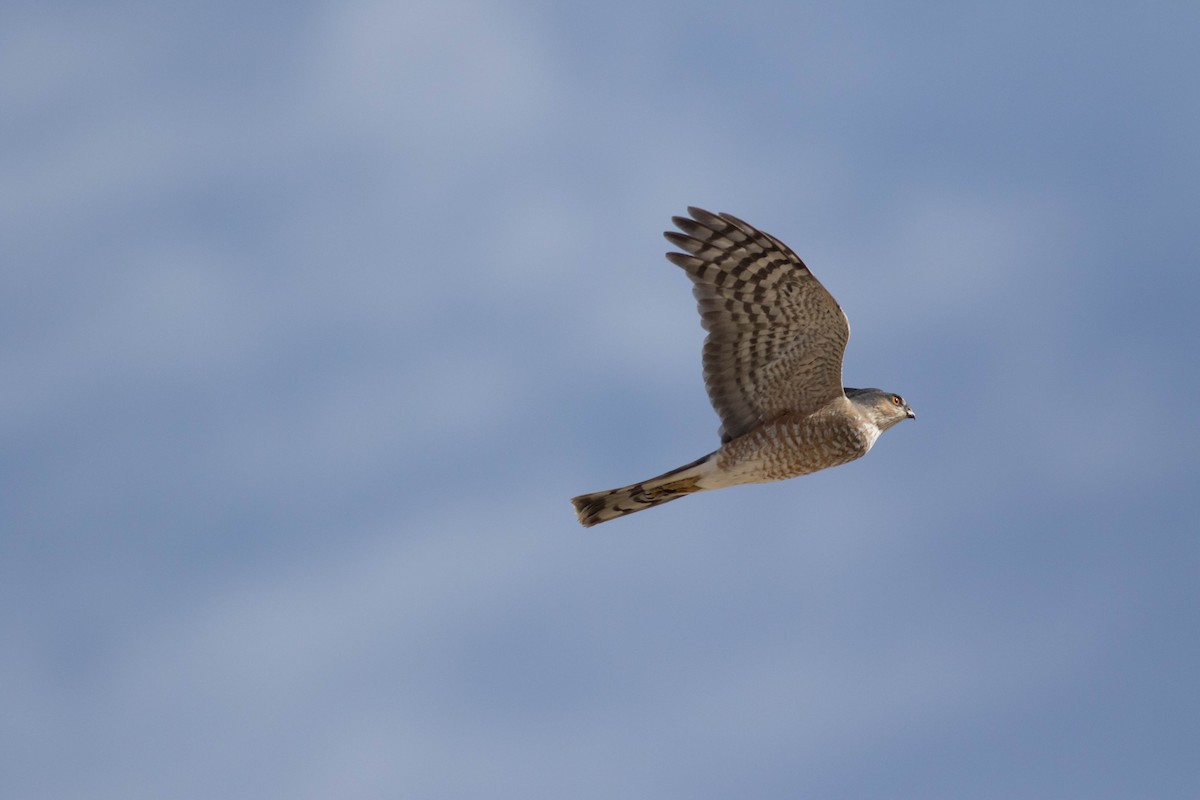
x,y
603,506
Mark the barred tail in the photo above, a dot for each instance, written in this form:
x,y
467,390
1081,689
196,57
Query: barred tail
x,y
603,506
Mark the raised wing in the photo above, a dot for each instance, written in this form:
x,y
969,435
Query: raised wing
x,y
775,335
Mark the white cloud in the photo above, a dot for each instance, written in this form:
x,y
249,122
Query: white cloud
x,y
442,81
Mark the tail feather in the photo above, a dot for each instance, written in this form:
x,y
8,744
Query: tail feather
x,y
603,506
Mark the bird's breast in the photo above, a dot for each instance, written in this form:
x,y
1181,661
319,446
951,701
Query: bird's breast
x,y
794,445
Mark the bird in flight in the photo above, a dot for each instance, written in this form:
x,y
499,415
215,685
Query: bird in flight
x,y
772,367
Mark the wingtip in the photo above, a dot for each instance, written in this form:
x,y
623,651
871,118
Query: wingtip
x,y
701,215
684,261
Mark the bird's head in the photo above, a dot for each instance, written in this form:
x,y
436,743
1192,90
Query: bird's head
x,y
885,409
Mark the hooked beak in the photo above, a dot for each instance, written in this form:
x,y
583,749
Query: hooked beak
x,y
909,413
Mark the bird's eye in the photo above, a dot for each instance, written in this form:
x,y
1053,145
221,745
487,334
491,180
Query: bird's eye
x,y
896,400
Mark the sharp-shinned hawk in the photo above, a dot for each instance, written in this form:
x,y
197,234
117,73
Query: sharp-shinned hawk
x,y
772,367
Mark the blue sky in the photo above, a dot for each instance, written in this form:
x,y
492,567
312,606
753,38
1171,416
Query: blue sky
x,y
314,317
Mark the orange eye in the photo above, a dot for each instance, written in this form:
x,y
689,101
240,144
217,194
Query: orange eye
x,y
896,401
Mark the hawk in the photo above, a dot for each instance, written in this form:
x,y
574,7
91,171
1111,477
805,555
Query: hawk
x,y
772,367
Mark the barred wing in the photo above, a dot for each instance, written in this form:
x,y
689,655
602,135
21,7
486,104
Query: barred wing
x,y
775,335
